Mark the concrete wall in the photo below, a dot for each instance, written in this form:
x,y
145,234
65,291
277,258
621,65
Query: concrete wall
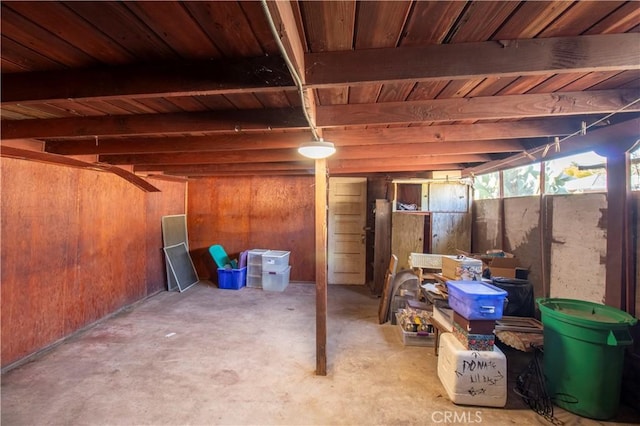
x,y
522,236
486,233
579,247
572,242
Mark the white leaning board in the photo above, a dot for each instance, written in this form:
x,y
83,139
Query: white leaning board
x,y
472,377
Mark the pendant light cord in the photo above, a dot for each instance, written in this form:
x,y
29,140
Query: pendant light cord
x,y
292,69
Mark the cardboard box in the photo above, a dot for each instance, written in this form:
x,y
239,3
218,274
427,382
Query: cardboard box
x,y
462,268
504,265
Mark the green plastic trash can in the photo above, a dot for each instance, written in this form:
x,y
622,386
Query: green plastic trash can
x,y
584,345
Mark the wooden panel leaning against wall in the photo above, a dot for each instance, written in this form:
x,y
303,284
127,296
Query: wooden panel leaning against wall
x,y
75,248
243,213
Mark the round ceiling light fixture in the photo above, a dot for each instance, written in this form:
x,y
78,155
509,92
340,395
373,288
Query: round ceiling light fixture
x,y
317,149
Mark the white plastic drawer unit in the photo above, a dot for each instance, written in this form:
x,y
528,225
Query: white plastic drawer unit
x,y
275,261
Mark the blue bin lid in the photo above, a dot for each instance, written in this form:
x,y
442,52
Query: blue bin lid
x,y
476,288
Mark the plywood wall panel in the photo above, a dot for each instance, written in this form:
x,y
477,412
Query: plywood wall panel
x,y
242,213
283,218
36,255
112,247
217,213
450,232
73,249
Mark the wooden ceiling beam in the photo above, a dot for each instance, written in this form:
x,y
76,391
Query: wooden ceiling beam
x,y
369,170
418,162
233,167
619,133
382,152
456,132
220,157
217,142
480,108
510,58
341,137
607,52
256,172
384,168
248,75
229,121
388,151
232,121
413,161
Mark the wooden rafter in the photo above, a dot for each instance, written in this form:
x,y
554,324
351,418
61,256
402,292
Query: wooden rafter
x,y
344,153
258,75
226,121
480,108
509,58
230,121
342,137
623,131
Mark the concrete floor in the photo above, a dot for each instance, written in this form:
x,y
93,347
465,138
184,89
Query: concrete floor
x,y
247,357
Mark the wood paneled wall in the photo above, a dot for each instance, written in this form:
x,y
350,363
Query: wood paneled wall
x,y
76,246
243,213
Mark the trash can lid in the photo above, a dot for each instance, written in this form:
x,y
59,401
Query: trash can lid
x,y
581,312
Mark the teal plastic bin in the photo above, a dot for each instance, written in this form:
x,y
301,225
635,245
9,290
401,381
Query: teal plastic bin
x,y
584,345
221,258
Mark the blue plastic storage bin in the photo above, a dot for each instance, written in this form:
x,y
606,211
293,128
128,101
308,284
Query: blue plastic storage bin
x,y
232,279
476,300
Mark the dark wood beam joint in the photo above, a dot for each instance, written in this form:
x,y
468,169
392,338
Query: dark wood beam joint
x,y
260,74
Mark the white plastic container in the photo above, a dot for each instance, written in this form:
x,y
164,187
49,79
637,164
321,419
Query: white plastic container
x,y
254,267
275,261
275,281
472,377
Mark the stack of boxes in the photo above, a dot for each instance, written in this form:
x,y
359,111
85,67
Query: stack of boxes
x,y
275,270
268,269
471,368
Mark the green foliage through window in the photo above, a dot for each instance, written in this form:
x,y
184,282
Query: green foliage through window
x,y
522,181
635,169
486,186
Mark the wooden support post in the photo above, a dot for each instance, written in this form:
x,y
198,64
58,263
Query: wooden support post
x,y
321,267
619,257
617,228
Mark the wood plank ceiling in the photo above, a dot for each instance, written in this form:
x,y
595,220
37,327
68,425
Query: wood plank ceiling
x,y
402,88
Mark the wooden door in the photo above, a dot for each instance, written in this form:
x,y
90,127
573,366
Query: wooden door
x,y
346,230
